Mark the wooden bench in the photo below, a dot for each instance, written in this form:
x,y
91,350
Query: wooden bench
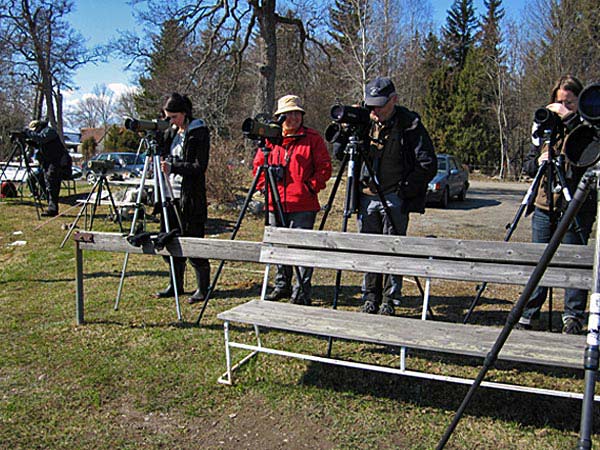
x,y
477,261
232,250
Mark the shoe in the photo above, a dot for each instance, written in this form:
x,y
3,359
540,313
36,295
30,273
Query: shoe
x,y
301,301
165,293
50,214
369,307
397,302
523,326
278,294
572,326
386,310
196,297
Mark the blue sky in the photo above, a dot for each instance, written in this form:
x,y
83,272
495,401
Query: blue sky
x,y
100,20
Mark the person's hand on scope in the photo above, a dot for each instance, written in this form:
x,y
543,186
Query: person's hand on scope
x,y
566,103
543,157
165,166
559,108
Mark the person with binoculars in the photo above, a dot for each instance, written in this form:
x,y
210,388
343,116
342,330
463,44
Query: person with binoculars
x,y
185,149
54,158
301,166
563,104
403,159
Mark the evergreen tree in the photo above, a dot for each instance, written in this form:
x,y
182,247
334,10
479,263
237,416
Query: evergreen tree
x,y
167,69
469,134
458,35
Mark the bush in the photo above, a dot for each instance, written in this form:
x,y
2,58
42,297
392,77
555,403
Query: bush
x,y
224,170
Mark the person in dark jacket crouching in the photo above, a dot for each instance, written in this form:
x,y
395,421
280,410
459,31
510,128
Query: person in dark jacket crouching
x,y
185,150
404,161
304,166
54,159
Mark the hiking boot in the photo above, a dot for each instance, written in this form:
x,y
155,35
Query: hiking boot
x,y
278,294
572,326
386,309
523,326
369,307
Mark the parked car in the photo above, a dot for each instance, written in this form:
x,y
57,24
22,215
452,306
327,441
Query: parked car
x,y
451,180
126,165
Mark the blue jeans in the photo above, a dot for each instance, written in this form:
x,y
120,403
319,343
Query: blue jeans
x,y
283,277
372,219
575,299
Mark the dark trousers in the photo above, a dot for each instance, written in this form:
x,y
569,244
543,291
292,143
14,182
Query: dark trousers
x,y
372,219
575,299
283,277
52,175
190,229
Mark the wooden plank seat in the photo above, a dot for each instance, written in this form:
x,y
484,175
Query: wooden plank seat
x,y
232,250
499,262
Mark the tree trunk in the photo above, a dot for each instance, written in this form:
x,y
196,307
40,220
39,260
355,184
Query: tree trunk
x,y
268,70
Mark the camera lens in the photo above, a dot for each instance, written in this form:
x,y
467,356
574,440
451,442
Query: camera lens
x,y
589,103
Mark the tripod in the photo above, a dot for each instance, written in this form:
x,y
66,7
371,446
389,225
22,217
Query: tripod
x,y
352,152
33,181
94,198
270,185
591,353
163,195
526,204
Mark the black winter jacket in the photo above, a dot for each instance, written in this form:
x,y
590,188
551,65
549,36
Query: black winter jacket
x,y
403,156
192,167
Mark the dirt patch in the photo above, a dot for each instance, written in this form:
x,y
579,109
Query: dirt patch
x,y
253,424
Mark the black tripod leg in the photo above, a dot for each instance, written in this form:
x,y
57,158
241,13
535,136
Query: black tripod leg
x,y
97,201
347,213
510,229
336,185
83,210
516,311
234,232
114,206
279,211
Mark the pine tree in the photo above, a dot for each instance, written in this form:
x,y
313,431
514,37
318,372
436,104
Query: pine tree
x,y
458,35
167,70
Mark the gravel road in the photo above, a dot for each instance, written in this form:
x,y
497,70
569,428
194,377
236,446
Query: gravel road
x,y
488,208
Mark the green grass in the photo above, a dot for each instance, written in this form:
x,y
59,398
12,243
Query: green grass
x,y
136,378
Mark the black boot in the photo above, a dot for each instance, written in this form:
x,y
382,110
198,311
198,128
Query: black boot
x,y
169,291
203,283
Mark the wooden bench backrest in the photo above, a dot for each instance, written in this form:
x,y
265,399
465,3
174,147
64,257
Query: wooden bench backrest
x,y
454,259
232,250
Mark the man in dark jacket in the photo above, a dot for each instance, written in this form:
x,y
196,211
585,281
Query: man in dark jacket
x,y
404,161
54,159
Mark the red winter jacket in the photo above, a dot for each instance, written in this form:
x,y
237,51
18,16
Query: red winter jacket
x,y
306,168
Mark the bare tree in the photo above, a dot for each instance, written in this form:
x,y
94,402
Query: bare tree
x,y
46,50
227,29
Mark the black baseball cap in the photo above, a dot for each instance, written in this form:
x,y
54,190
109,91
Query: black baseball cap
x,y
379,91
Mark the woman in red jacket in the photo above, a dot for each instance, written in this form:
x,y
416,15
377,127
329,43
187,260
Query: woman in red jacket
x,y
301,165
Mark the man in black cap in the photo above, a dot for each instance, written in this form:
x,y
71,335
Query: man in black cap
x,y
404,161
54,159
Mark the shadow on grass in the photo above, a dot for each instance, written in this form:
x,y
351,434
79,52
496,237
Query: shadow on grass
x,y
527,409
